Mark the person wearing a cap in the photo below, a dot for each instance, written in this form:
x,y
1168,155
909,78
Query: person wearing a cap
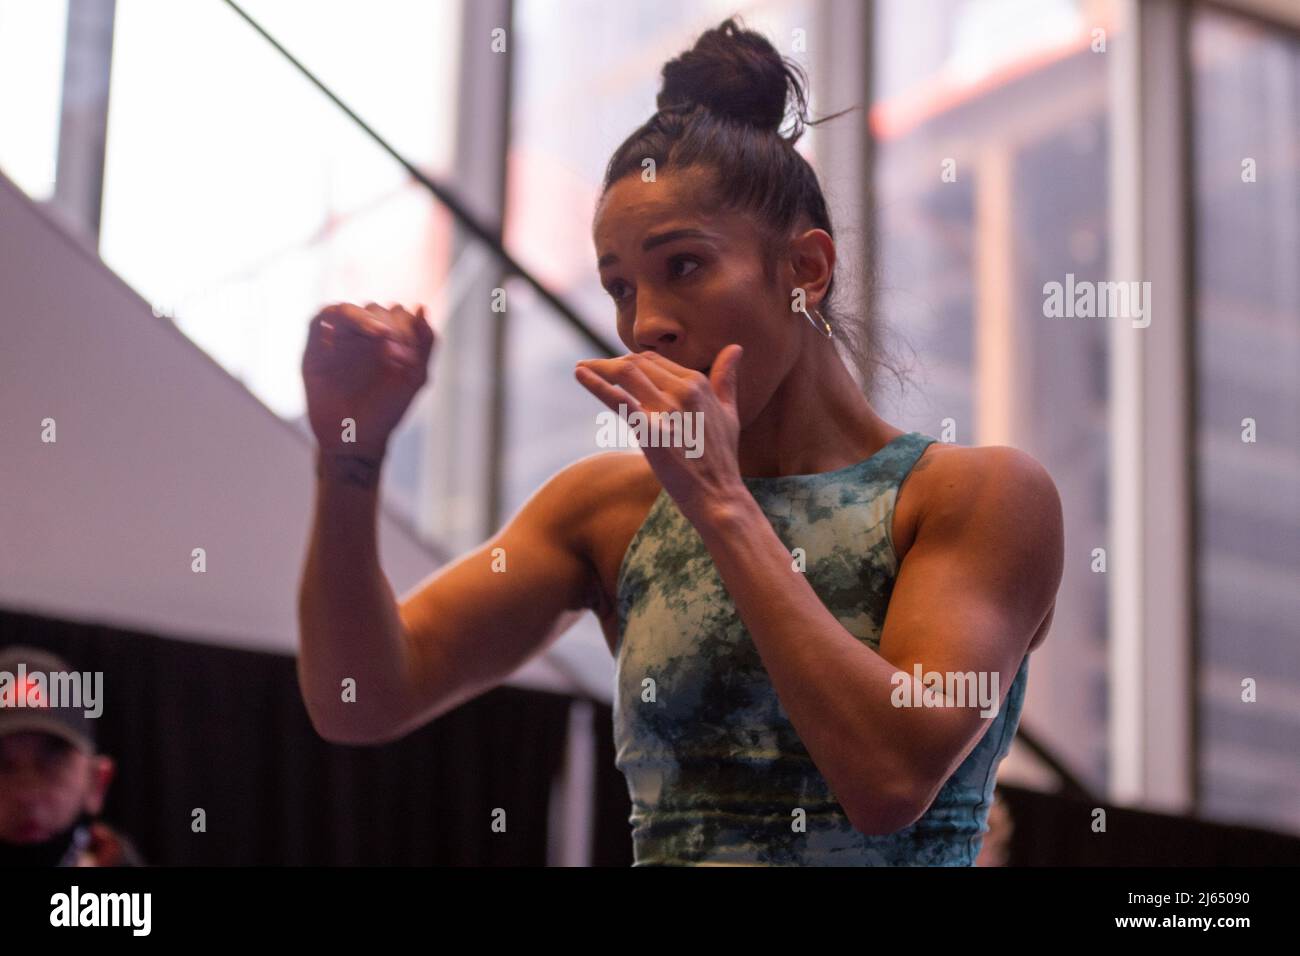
x,y
52,779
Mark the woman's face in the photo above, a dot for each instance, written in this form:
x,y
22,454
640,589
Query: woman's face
x,y
687,282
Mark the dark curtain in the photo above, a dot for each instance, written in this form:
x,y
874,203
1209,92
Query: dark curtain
x,y
612,836
1052,830
194,726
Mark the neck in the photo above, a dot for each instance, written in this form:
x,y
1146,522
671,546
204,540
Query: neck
x,y
817,420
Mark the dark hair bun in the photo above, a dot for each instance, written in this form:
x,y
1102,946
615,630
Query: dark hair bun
x,y
736,73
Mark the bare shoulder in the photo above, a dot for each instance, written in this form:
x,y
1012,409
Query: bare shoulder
x,y
998,502
996,506
603,479
597,497
991,485
603,499
957,473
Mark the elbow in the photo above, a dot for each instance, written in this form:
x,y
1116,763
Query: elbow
x,y
880,814
334,732
339,721
355,735
350,727
351,736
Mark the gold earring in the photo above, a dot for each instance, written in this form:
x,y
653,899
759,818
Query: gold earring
x,y
829,332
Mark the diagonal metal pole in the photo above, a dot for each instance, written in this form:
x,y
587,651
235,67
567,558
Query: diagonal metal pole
x,y
1071,784
463,215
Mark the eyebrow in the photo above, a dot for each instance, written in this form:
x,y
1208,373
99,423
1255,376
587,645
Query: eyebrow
x,y
609,259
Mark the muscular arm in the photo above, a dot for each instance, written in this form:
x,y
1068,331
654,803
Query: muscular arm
x,y
458,633
974,587
477,620
971,594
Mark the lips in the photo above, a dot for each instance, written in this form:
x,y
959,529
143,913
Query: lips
x,y
704,369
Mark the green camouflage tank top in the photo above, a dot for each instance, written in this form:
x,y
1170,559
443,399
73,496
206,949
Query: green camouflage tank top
x,y
714,767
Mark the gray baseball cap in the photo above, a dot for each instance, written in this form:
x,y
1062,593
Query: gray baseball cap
x,y
36,716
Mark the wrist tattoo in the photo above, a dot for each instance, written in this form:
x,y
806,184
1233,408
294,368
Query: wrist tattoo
x,y
359,470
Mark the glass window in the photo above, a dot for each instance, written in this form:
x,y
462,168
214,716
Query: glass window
x,y
238,199
991,181
1246,142
32,40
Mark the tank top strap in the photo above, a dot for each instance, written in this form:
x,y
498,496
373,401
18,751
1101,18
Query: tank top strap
x,y
903,460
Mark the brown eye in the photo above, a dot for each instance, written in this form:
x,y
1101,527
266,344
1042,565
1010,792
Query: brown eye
x,y
678,260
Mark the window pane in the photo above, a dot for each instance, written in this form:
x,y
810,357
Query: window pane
x,y
238,199
32,41
991,181
1246,89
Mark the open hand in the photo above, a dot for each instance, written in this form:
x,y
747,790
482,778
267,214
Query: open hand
x,y
697,458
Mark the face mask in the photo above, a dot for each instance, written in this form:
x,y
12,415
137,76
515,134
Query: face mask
x,y
61,849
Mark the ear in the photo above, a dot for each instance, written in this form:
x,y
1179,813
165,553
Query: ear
x,y
101,772
812,261
725,372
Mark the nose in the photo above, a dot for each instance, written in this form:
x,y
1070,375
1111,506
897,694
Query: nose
x,y
654,327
